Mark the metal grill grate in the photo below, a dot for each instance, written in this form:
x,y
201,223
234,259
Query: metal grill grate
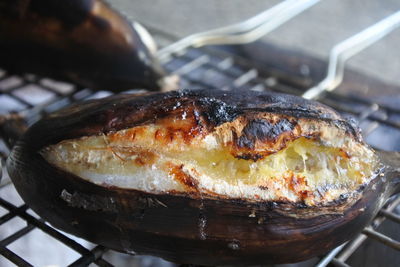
x,y
198,68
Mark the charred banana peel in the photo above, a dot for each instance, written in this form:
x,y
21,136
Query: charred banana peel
x,y
198,153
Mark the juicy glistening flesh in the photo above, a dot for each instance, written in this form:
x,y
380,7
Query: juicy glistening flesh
x,y
305,170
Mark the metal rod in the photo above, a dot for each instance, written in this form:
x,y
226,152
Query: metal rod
x,y
351,247
337,262
244,32
20,233
348,48
90,257
390,215
14,258
329,257
356,242
382,238
44,227
8,216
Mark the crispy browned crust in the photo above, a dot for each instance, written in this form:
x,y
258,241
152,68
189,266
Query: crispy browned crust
x,y
206,110
83,41
181,228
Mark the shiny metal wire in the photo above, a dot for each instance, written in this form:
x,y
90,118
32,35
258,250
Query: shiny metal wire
x,y
341,52
244,32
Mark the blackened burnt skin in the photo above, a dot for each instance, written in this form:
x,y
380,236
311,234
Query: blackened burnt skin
x,y
263,130
82,41
217,107
208,172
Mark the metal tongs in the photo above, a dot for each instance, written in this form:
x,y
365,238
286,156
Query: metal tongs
x,y
341,52
258,26
244,32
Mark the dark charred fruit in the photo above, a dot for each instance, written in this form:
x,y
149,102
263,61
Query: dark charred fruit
x,y
82,41
201,177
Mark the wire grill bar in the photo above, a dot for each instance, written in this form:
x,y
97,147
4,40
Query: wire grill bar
x,y
14,257
93,256
381,238
346,250
16,235
87,255
336,262
390,215
42,226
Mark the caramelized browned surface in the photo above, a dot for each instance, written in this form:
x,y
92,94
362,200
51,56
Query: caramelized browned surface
x,y
169,156
208,109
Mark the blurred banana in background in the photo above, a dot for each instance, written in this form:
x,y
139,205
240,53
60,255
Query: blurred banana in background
x,y
82,41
